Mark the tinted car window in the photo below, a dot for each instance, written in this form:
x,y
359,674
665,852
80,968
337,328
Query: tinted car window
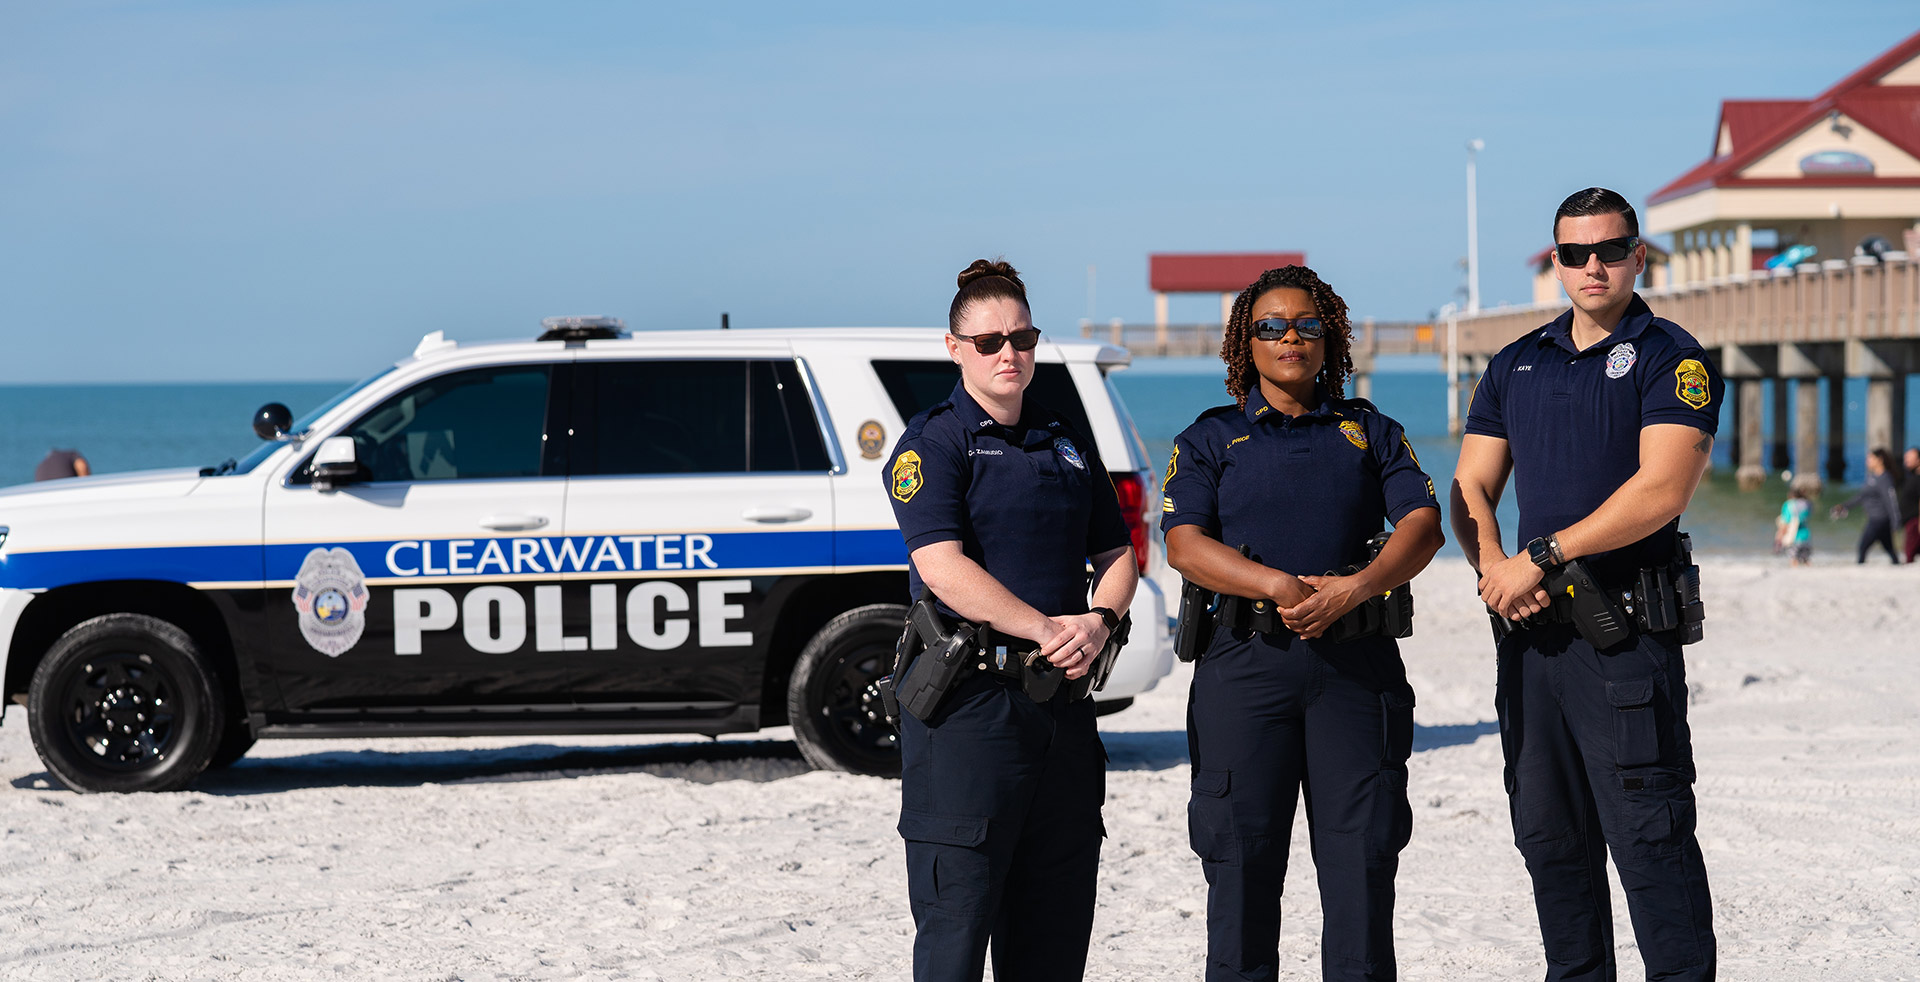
x,y
483,423
694,417
913,386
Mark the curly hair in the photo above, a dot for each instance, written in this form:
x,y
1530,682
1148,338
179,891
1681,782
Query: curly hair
x,y
1236,344
982,281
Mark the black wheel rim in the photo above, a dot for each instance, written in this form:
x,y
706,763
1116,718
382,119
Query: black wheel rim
x,y
118,709
847,702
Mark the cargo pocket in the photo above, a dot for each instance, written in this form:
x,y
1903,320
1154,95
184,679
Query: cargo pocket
x,y
1636,735
946,868
1210,828
1396,706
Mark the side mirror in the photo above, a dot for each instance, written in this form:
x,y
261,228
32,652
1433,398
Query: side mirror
x,y
270,421
335,463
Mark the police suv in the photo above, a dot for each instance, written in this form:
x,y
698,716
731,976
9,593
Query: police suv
x,y
593,532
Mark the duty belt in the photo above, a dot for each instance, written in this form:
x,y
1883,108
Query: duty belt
x,y
931,660
1658,600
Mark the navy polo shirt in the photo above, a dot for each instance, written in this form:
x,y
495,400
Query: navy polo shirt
x,y
1572,419
1305,492
1029,502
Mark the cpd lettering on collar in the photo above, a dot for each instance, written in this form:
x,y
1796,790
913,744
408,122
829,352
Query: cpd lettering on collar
x,y
527,554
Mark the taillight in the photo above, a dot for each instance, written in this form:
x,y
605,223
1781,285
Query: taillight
x,y
1131,488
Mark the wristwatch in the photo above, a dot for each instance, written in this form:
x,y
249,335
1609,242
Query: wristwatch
x,y
1107,616
1541,552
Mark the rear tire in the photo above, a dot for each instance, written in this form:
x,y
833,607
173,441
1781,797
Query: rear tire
x,y
833,700
125,702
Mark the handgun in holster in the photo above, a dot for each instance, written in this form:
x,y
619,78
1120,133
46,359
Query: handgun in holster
x,y
1388,615
927,662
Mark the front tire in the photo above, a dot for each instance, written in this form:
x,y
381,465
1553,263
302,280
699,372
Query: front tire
x,y
833,700
125,702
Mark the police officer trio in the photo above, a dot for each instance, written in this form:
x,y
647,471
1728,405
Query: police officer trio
x,y
1604,418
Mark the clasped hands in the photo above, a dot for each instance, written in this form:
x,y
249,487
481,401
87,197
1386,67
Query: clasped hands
x,y
1075,641
1511,588
1310,604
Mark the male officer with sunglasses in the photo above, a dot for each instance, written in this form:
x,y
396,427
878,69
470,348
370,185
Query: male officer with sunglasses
x,y
1605,419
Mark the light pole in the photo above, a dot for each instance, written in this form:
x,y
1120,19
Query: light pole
x,y
1473,230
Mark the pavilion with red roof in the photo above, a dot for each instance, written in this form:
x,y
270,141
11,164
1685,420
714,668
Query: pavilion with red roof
x,y
1828,173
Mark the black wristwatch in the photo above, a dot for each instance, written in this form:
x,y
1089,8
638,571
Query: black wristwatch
x,y
1541,552
1107,617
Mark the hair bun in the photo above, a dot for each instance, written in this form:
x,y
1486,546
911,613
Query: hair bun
x,y
984,267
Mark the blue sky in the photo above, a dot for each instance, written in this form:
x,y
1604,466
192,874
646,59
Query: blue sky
x,y
254,190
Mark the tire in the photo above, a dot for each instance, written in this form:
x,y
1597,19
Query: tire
x,y
833,701
234,745
125,702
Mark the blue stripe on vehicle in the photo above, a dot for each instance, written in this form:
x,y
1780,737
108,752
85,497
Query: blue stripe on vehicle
x,y
504,555
180,564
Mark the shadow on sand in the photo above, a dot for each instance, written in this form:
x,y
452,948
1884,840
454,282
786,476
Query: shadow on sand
x,y
704,762
1157,750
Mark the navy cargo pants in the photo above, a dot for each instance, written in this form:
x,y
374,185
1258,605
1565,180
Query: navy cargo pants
x,y
1000,810
1598,756
1271,716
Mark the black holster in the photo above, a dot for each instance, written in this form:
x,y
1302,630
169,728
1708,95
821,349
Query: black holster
x,y
1658,600
932,658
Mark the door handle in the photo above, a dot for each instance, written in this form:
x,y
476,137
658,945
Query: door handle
x,y
513,523
776,516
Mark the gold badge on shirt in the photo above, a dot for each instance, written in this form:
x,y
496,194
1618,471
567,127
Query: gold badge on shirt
x,y
906,475
1692,385
1354,432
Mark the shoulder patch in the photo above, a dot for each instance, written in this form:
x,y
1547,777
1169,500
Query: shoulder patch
x,y
906,476
1173,466
1354,432
1691,384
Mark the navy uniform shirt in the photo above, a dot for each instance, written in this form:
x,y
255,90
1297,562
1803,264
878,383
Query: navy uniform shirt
x,y
1029,502
1305,492
1572,419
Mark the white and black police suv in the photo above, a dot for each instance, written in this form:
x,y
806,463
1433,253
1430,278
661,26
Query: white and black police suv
x,y
675,531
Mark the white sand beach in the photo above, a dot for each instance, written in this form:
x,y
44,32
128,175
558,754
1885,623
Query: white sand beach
x,y
677,858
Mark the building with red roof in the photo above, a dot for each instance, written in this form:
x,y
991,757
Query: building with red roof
x,y
1828,173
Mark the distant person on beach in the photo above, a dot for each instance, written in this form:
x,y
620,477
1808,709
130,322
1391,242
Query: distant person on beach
x,y
1003,507
1910,503
1880,499
1286,696
1791,534
61,463
1604,418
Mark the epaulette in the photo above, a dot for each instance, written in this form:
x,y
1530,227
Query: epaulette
x,y
1364,405
1217,411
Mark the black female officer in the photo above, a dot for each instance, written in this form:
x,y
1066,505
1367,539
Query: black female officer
x,y
1304,478
1002,506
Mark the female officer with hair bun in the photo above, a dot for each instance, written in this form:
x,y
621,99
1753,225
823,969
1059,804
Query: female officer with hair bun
x,y
1002,506
1303,477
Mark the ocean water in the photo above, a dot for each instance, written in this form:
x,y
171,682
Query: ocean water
x,y
138,427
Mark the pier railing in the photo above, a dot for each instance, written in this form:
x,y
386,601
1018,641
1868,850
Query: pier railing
x,y
1370,337
1833,320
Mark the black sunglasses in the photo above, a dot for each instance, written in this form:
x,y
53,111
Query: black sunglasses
x,y
989,344
1275,328
1574,254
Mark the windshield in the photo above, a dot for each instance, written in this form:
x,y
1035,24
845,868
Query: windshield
x,y
301,425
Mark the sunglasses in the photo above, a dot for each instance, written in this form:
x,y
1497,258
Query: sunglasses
x,y
989,344
1275,328
1574,254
